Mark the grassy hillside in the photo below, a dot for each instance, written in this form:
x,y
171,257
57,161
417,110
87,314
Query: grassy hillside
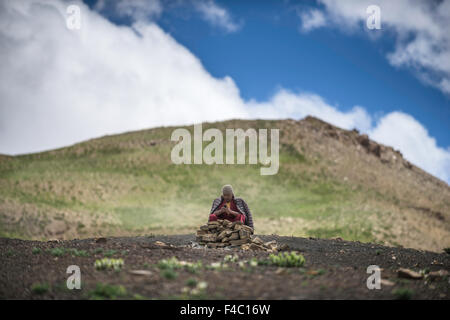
x,y
328,185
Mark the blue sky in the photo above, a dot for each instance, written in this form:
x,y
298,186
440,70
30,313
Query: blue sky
x,y
157,62
268,51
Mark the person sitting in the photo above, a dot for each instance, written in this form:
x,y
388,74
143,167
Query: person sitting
x,y
231,208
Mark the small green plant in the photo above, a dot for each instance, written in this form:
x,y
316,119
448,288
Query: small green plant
x,y
403,293
36,250
197,291
106,291
98,250
109,264
110,253
378,252
191,282
230,258
174,263
253,262
447,250
169,274
57,252
39,288
217,266
248,265
287,259
171,263
78,253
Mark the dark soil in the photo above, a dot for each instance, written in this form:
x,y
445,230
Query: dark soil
x,y
334,269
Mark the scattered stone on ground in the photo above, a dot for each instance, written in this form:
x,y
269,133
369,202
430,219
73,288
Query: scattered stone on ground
x,y
224,233
387,283
437,274
140,272
409,274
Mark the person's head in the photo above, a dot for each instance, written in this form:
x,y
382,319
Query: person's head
x,y
227,192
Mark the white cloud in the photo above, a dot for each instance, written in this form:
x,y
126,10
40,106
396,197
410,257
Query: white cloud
x,y
406,134
420,28
216,15
151,10
136,10
286,104
312,19
58,86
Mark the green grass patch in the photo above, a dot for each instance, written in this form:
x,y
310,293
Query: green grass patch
x,y
106,291
40,288
287,259
403,293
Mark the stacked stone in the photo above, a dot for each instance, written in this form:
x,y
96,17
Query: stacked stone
x,y
223,233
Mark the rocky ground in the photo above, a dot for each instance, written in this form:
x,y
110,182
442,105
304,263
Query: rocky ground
x,y
334,269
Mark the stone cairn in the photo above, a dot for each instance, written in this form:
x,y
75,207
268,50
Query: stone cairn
x,y
224,233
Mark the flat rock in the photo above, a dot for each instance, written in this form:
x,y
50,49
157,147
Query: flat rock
x,y
437,274
239,242
409,274
140,272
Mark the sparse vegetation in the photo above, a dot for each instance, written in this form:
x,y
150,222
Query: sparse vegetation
x,y
230,258
40,288
109,264
315,196
196,291
191,282
57,252
110,253
106,291
174,263
403,293
78,253
169,274
287,259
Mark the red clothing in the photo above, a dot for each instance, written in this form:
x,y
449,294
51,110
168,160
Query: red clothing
x,y
229,217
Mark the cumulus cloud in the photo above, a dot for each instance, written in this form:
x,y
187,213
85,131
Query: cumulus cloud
x,y
288,104
137,10
61,86
216,15
419,27
312,19
151,10
415,143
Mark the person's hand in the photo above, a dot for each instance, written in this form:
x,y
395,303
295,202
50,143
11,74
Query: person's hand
x,y
233,213
220,212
